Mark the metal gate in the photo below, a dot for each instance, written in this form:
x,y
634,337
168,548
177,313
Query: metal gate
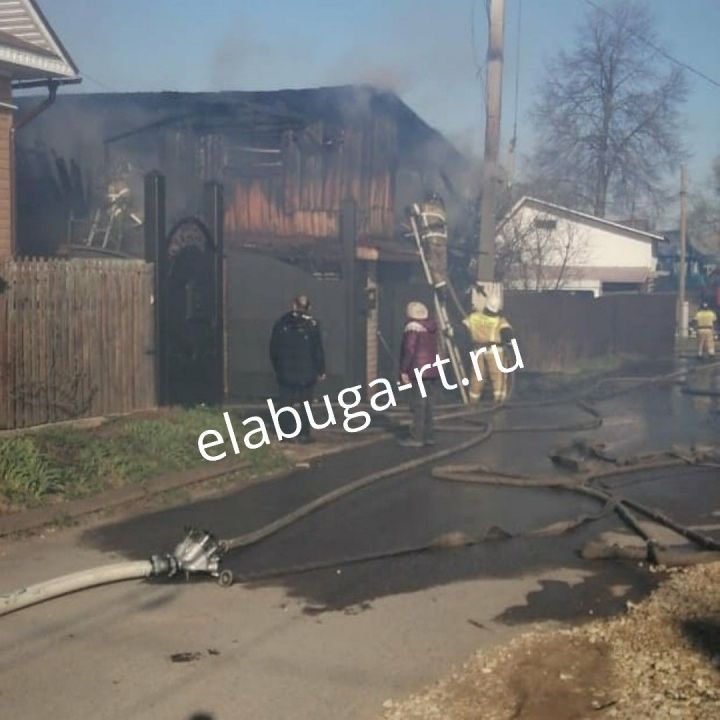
x,y
259,290
191,318
189,345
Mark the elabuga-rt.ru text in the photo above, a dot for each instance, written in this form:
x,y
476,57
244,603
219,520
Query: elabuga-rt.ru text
x,y
382,397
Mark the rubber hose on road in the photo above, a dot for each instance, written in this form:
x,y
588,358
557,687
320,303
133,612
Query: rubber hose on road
x,y
34,594
304,510
256,536
57,587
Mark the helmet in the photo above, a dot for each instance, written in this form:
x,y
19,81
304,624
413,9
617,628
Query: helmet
x,y
492,305
417,311
434,198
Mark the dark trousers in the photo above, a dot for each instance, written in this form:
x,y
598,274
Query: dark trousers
x,y
422,428
294,397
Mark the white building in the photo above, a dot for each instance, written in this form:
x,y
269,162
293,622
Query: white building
x,y
542,246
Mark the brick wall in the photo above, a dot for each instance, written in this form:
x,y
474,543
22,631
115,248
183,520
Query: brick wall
x,y
371,348
6,171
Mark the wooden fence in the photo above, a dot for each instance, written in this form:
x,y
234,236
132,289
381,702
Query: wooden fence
x,y
76,339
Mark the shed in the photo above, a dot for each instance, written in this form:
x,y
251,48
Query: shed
x,y
543,246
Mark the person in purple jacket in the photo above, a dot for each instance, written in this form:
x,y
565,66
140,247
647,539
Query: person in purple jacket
x,y
419,352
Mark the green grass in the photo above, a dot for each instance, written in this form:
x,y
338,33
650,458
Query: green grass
x,y
65,463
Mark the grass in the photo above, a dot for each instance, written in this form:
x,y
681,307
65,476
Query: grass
x,y
66,463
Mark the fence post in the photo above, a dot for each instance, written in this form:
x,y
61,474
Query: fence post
x,y
156,253
348,240
214,216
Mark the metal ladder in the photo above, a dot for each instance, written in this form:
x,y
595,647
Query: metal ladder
x,y
441,313
107,223
98,231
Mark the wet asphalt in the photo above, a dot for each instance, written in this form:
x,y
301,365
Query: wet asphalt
x,y
337,642
413,508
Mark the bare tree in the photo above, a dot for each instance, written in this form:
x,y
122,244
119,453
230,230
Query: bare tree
x,y
539,254
607,114
704,216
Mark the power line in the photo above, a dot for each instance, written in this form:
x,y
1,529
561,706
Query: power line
x,y
479,67
99,83
512,150
517,73
658,49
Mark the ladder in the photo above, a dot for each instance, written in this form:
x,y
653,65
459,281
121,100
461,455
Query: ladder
x,y
100,230
108,220
441,313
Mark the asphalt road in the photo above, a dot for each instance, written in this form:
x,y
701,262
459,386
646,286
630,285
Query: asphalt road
x,y
336,642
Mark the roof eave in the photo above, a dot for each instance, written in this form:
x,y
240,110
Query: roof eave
x,y
59,47
581,215
27,65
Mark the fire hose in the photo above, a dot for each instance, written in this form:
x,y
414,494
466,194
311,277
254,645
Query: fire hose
x,y
201,552
66,584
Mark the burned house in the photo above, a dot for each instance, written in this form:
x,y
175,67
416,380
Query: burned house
x,y
315,184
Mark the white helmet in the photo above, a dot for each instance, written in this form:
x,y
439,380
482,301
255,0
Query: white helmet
x,y
417,311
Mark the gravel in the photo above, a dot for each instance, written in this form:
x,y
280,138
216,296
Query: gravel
x,y
659,660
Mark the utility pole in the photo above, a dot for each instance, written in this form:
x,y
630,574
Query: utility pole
x,y
682,318
491,179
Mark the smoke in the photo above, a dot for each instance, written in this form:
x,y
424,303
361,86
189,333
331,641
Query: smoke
x,y
425,55
418,49
232,55
251,56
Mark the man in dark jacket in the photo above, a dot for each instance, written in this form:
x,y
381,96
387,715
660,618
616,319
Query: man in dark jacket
x,y
419,349
298,359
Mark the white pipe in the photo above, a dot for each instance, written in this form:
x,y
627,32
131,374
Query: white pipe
x,y
65,584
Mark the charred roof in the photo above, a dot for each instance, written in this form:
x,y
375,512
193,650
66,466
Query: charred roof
x,y
272,111
286,158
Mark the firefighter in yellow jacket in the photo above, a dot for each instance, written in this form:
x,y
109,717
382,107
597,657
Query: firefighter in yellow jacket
x,y
432,226
489,328
705,320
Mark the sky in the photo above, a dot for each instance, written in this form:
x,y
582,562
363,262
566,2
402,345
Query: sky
x,y
426,51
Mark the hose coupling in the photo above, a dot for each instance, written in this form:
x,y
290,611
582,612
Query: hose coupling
x,y
163,565
198,552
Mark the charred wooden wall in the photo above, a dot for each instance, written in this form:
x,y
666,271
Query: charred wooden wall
x,y
282,185
300,199
287,160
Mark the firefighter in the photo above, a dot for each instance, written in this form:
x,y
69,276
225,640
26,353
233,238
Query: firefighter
x,y
118,190
298,359
488,329
432,225
418,353
704,321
